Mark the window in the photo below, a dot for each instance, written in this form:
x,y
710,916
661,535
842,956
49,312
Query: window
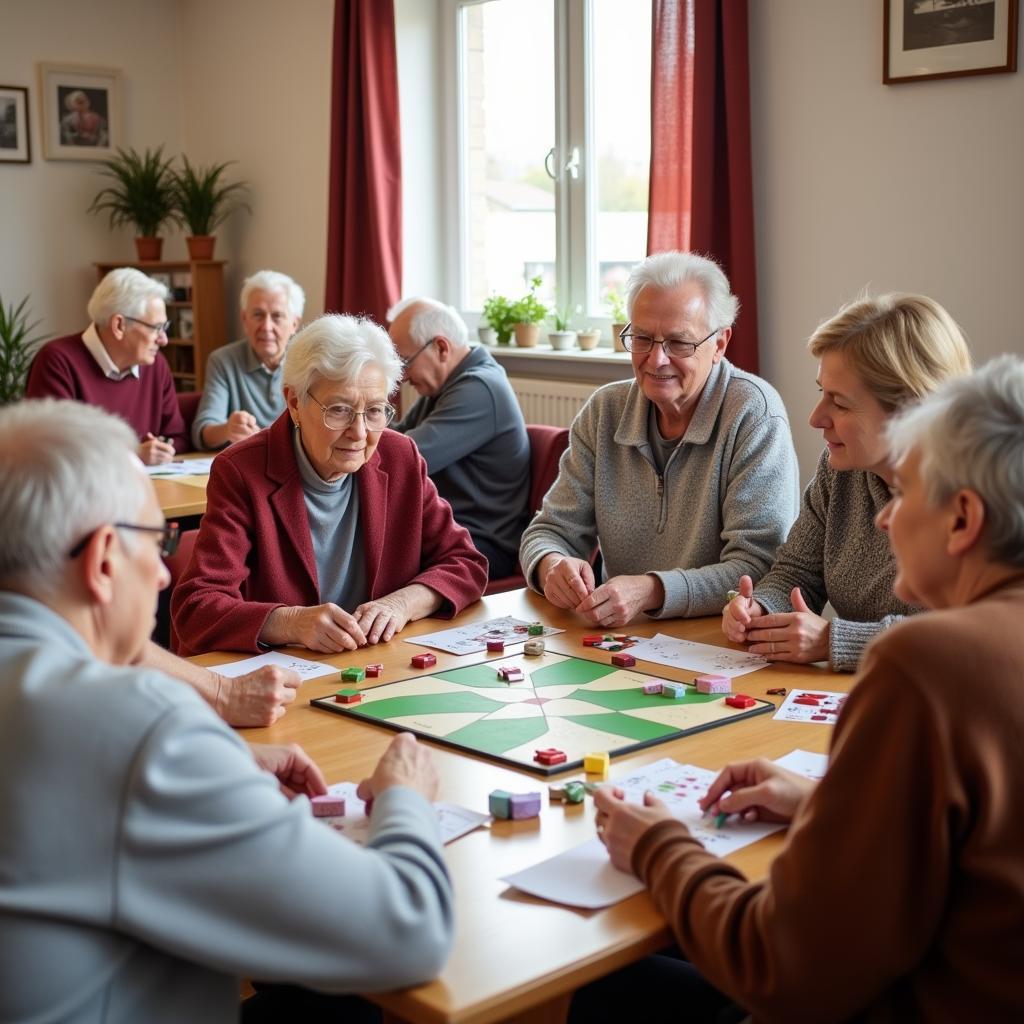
x,y
552,148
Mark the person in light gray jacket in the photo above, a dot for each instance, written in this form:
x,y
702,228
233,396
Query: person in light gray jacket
x,y
685,476
146,860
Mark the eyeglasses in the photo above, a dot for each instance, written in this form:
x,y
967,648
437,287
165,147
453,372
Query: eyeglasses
x,y
159,328
412,359
170,534
678,348
341,417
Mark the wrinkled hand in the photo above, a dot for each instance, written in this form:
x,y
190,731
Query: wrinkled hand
x,y
293,768
381,619
621,599
798,636
736,615
324,627
241,424
758,790
155,452
404,763
620,825
566,581
257,698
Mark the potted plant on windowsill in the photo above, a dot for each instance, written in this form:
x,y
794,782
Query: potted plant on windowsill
x,y
528,314
16,349
562,337
142,194
617,308
203,202
588,338
497,312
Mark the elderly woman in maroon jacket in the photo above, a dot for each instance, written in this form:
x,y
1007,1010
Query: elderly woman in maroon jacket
x,y
324,530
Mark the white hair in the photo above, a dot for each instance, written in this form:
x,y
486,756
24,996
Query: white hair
x,y
126,291
337,347
433,321
970,435
671,269
66,468
272,281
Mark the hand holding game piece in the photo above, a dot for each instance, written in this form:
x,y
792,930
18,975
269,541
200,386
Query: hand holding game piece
x,y
798,636
621,599
323,627
404,763
620,825
758,790
736,615
155,451
565,581
257,698
294,769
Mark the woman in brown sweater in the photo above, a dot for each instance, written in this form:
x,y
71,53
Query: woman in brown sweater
x,y
900,892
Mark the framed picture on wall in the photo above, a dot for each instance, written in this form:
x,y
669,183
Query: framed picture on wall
x,y
80,111
927,39
14,141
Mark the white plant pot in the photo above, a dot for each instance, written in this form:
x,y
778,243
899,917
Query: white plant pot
x,y
487,335
561,340
588,339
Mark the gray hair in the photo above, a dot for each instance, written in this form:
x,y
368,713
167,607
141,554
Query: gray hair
x,y
970,435
126,291
434,320
272,281
66,468
338,347
671,269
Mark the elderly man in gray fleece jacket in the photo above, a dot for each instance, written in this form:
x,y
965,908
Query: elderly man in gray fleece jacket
x,y
686,476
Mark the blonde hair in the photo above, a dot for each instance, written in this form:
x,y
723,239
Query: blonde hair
x,y
902,346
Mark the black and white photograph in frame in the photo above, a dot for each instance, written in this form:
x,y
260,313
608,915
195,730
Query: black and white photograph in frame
x,y
928,39
15,146
80,111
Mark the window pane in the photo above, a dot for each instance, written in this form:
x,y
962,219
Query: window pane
x,y
508,110
621,77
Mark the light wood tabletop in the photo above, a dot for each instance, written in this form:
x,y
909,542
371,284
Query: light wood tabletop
x,y
182,495
517,957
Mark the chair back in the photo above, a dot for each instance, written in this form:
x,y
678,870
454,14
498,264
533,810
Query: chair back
x,y
188,403
176,566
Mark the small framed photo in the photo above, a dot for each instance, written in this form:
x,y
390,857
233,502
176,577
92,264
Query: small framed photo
x,y
928,39
79,111
14,140
186,325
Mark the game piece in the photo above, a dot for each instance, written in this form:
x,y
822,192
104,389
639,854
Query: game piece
x,y
557,793
672,690
510,674
621,638
348,697
740,700
652,687
495,646
524,805
597,764
535,629
623,660
713,684
591,641
374,671
353,675
575,791
533,648
811,701
613,646
519,629
327,806
498,803
731,596
721,818
776,691
590,787
550,755
423,660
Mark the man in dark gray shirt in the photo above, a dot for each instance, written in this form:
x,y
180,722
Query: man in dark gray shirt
x,y
468,426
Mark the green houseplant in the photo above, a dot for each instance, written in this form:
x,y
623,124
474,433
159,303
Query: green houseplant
x,y
497,312
617,307
142,194
528,314
203,201
17,347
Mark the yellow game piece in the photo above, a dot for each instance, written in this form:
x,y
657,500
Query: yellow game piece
x,y
596,764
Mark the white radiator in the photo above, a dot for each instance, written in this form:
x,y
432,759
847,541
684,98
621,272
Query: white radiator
x,y
552,402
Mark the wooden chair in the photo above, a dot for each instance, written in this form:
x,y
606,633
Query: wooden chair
x,y
176,566
188,403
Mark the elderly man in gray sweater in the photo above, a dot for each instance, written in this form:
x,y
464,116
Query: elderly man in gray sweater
x,y
685,476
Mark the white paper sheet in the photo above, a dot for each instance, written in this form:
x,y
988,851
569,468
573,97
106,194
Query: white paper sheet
x,y
472,638
825,712
182,467
306,669
702,658
803,762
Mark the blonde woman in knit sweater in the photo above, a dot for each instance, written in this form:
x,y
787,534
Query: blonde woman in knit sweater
x,y
875,355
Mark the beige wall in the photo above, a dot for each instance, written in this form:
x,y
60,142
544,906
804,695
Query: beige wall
x,y
912,187
47,240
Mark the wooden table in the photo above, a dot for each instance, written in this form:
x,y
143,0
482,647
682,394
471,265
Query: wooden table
x,y
182,495
517,958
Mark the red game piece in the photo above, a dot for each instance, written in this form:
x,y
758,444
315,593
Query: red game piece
x,y
740,700
551,755
592,641
812,701
373,671
496,646
423,660
348,697
623,660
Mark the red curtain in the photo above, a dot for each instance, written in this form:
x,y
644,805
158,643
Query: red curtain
x,y
364,228
701,196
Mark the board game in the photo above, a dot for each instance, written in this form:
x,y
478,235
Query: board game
x,y
572,704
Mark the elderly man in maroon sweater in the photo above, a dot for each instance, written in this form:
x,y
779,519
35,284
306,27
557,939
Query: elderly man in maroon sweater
x,y
116,363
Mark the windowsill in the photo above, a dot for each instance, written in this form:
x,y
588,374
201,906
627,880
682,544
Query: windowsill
x,y
574,355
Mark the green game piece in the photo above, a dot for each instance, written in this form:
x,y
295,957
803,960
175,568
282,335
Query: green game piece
x,y
353,675
535,629
720,819
499,805
612,648
574,792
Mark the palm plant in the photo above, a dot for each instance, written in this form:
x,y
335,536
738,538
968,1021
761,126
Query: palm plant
x,y
202,201
142,193
17,348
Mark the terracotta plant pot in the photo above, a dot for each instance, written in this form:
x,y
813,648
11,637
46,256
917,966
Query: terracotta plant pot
x,y
527,335
588,339
561,340
148,248
200,247
616,331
